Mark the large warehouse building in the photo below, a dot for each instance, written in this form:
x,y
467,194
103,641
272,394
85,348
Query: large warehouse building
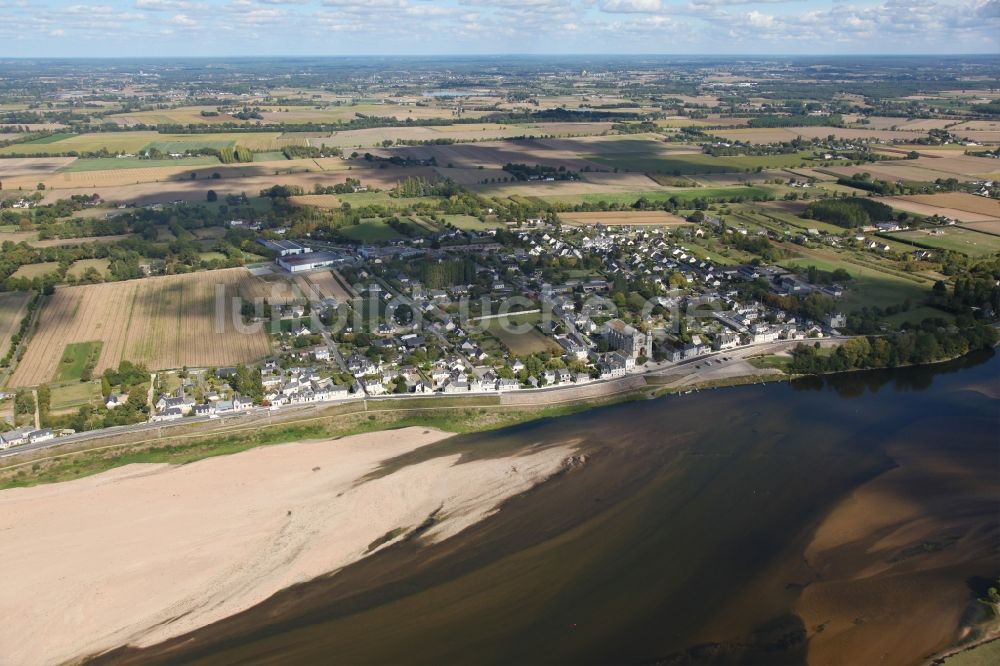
x,y
308,261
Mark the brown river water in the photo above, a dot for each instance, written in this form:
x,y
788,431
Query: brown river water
x,y
845,520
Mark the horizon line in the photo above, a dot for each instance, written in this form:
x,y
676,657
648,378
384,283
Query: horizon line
x,y
510,54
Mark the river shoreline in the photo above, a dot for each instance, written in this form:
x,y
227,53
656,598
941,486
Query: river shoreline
x,y
143,553
858,523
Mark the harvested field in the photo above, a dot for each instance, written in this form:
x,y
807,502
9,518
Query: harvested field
x,y
32,166
961,201
32,271
161,322
781,134
13,307
550,152
332,284
919,204
176,183
621,218
375,136
991,227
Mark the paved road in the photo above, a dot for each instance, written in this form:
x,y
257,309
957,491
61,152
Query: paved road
x,y
262,413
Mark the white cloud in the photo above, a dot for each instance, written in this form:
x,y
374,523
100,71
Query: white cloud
x,y
631,6
183,20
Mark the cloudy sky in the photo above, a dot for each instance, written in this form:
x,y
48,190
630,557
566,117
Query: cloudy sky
x,y
34,28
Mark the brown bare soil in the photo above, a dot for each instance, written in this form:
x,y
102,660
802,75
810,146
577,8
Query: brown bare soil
x,y
914,204
620,218
960,201
31,166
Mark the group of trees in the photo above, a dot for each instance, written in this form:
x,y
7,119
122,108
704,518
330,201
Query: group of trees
x,y
932,341
849,213
438,275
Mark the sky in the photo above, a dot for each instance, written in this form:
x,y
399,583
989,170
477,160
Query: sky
x,y
136,28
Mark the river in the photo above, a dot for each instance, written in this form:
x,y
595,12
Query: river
x,y
850,519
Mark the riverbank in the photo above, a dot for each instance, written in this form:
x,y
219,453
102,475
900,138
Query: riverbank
x,y
863,528
460,414
150,551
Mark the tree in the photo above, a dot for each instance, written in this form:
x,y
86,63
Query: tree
x,y
211,196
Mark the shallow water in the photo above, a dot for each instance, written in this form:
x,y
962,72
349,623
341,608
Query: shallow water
x,y
680,537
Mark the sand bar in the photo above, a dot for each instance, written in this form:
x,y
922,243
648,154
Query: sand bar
x,y
146,552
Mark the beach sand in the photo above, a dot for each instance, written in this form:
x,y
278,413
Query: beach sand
x,y
146,552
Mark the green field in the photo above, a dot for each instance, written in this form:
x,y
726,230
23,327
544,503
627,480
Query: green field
x,y
775,361
532,341
69,397
868,286
212,256
128,142
78,268
470,222
76,357
655,161
32,271
189,143
113,163
370,231
359,199
682,196
957,239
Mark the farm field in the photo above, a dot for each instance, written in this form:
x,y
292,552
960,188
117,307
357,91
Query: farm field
x,y
656,160
128,142
619,218
991,227
71,396
164,184
959,201
470,222
681,195
943,204
183,115
116,163
524,343
161,322
370,231
32,166
784,134
76,358
78,268
869,286
568,152
32,271
13,307
366,138
67,242
972,243
17,236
